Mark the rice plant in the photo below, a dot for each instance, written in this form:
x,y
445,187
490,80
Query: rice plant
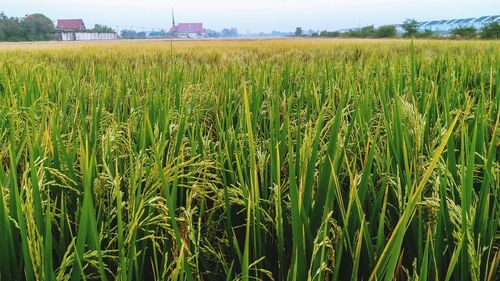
x,y
250,160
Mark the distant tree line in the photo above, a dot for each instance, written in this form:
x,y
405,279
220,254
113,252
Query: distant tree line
x,y
34,27
99,28
489,31
386,31
410,30
132,34
229,32
410,27
224,33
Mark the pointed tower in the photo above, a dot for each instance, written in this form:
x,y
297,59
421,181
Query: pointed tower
x,y
173,18
173,29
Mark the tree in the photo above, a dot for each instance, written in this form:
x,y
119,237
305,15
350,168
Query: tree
x,y
158,34
298,31
233,32
325,33
427,33
212,33
410,27
386,31
140,35
464,32
30,28
366,32
11,28
3,18
37,27
102,29
132,34
128,34
491,31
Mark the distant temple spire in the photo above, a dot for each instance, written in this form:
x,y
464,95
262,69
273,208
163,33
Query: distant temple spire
x,y
173,19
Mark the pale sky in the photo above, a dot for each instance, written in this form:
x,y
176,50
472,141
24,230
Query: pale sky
x,y
251,16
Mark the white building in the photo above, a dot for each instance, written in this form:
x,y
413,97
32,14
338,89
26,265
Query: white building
x,y
445,26
74,30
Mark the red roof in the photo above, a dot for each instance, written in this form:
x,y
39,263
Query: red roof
x,y
72,24
188,28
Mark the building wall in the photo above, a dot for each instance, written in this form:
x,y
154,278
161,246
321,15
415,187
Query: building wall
x,y
65,36
85,36
191,35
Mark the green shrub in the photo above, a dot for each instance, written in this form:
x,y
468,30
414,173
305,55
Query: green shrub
x,y
464,32
491,31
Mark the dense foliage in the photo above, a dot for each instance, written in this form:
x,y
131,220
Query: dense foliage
x,y
410,27
35,27
221,160
132,34
100,28
410,30
464,32
491,31
386,31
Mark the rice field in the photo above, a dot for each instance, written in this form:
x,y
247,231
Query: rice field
x,y
250,160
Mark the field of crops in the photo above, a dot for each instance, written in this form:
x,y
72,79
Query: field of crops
x,y
250,160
